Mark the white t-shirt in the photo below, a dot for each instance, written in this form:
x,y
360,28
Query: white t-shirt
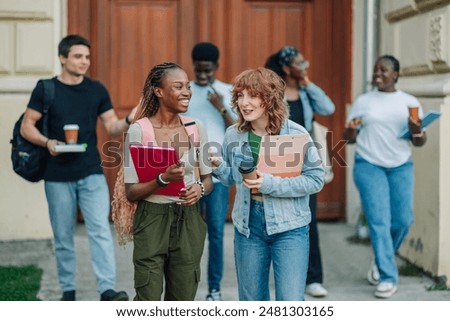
x,y
130,175
201,108
384,116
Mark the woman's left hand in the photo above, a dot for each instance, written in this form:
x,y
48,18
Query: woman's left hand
x,y
191,194
255,183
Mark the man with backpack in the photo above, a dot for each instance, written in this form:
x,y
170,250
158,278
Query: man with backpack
x,y
75,180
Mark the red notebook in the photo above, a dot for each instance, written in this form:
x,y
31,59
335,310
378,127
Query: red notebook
x,y
150,161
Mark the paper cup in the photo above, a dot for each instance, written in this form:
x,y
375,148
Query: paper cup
x,y
71,132
414,112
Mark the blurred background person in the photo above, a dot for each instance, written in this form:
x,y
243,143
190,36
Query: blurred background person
x,y
383,170
211,104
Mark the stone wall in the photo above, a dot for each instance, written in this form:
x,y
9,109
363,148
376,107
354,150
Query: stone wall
x,y
29,33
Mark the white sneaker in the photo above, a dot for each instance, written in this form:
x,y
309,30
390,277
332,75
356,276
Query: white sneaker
x,y
214,295
316,290
373,276
385,290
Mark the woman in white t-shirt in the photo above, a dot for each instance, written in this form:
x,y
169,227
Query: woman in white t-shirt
x,y
383,170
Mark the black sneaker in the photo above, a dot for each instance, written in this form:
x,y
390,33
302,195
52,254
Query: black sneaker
x,y
111,295
68,296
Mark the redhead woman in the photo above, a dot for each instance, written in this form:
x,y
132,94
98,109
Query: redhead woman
x,y
271,226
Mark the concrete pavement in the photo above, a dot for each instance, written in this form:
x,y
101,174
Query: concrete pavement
x,y
345,267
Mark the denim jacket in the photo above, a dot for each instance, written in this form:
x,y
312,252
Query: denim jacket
x,y
314,100
286,200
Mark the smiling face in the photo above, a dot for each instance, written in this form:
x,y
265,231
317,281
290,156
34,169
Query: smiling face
x,y
77,62
251,107
204,72
175,91
384,76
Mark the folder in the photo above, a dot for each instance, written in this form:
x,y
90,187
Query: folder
x,y
282,155
150,161
427,119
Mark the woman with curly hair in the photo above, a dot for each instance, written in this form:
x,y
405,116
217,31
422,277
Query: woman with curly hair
x,y
271,226
168,231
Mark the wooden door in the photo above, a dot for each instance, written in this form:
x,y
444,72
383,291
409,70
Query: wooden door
x,y
130,36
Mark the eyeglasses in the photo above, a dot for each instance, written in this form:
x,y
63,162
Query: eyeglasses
x,y
302,65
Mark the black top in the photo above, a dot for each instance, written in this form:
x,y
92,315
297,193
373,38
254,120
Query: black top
x,y
296,111
74,104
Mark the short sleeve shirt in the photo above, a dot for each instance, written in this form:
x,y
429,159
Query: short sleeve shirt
x,y
199,154
79,104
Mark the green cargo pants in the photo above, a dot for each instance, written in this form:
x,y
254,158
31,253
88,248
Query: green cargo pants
x,y
168,245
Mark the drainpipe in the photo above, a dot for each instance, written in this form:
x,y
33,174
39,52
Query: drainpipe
x,y
371,12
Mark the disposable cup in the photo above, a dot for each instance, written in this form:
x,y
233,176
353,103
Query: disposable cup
x,y
71,132
414,112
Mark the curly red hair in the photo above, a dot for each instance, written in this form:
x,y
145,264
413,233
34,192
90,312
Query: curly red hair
x,y
269,87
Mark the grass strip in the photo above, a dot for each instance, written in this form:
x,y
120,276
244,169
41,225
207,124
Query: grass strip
x,y
20,283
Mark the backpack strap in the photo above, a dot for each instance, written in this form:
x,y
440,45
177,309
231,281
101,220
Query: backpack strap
x,y
49,96
192,129
148,133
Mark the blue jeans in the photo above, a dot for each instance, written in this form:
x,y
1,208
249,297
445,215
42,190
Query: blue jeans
x,y
92,195
287,251
315,271
215,204
387,201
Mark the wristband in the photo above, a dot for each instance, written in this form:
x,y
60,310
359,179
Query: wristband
x,y
418,135
202,187
127,120
161,182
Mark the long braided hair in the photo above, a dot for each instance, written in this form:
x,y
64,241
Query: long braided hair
x,y
122,209
149,104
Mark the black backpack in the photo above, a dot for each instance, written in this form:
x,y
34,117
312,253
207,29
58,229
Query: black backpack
x,y
29,160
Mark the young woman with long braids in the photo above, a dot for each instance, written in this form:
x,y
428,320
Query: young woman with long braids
x,y
168,232
271,227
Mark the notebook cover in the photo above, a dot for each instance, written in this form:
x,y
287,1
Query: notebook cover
x,y
150,161
282,155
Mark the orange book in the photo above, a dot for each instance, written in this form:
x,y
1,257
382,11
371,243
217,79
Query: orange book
x,y
282,155
150,161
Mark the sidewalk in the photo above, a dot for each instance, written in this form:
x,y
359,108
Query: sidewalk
x,y
345,268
